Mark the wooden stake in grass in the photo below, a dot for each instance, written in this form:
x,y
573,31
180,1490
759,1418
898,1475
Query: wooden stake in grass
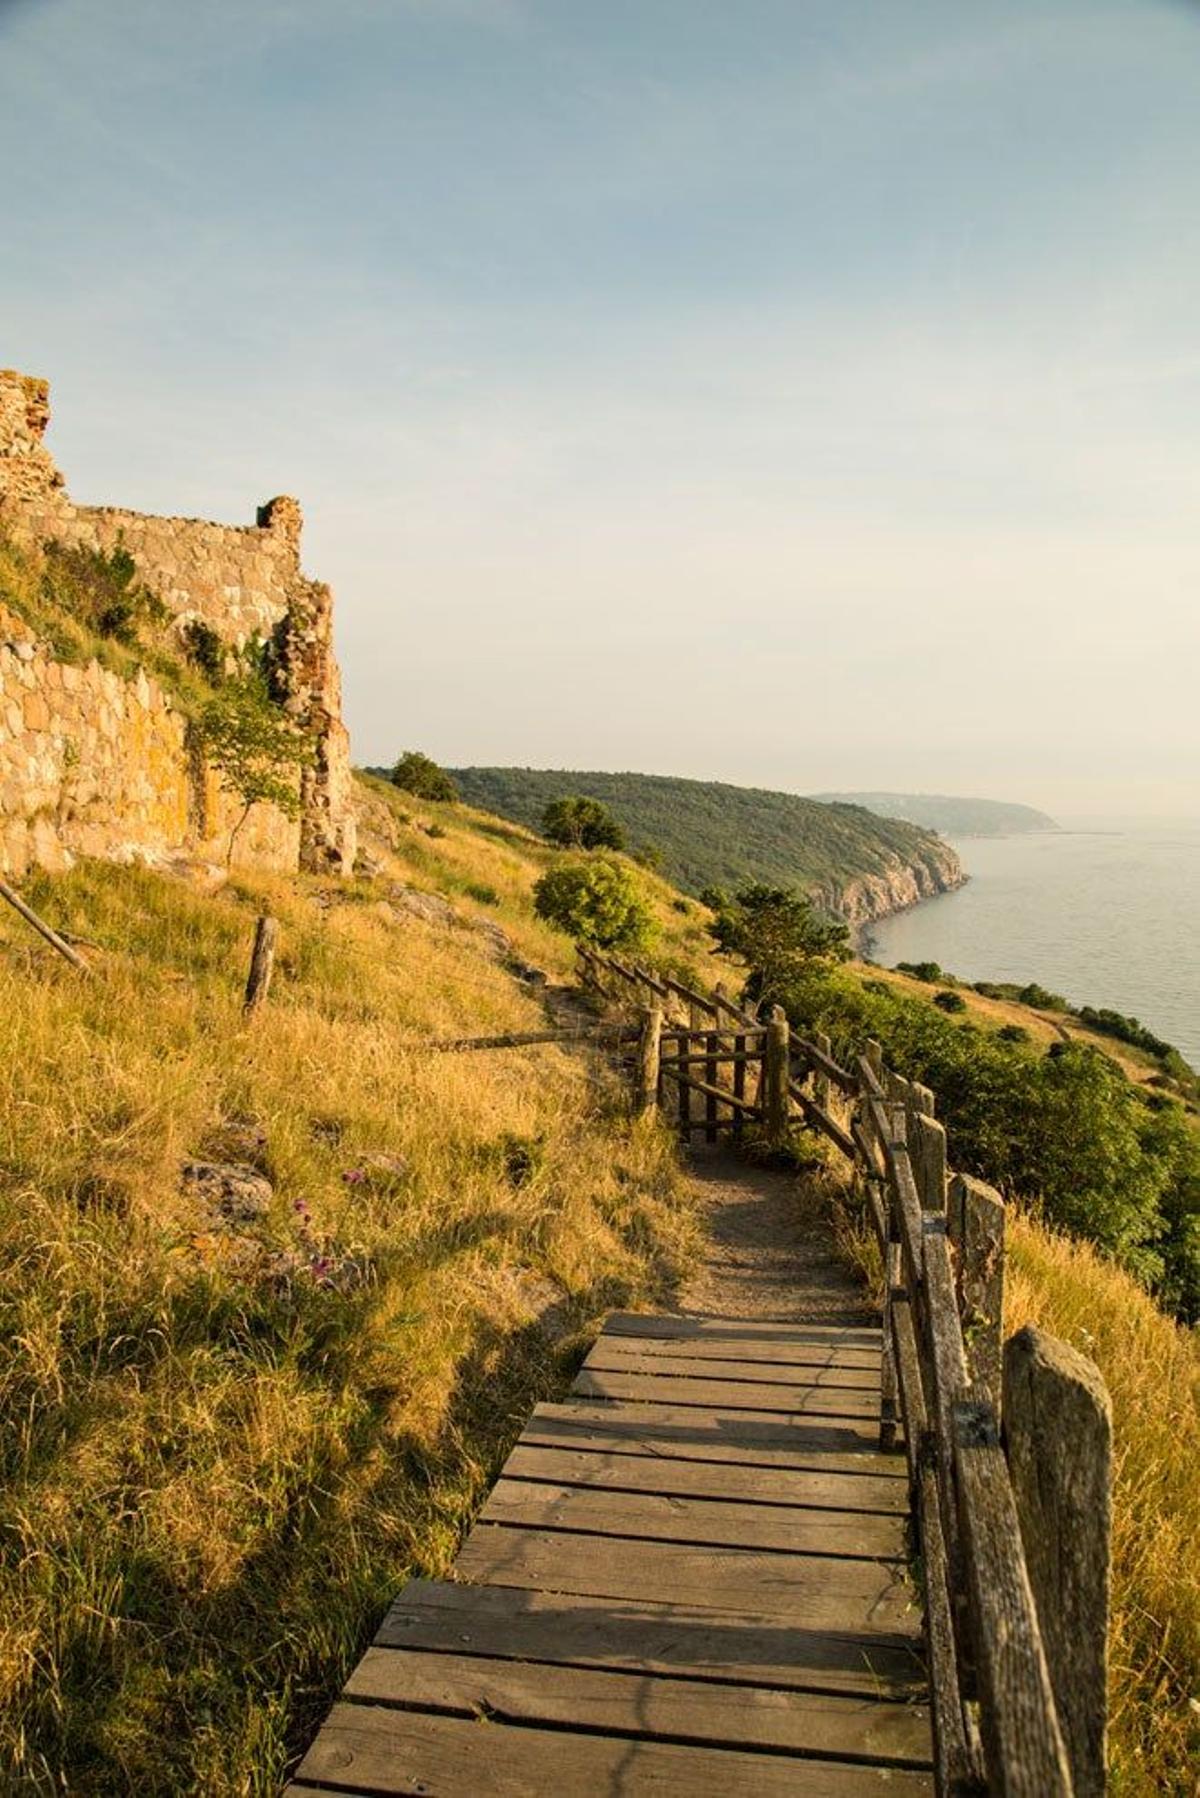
x,y
43,929
648,1061
262,962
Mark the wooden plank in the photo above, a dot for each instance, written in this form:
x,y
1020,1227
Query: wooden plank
x,y
671,1066
632,1704
730,1646
662,1517
724,1395
770,1439
698,1479
374,1749
700,1325
612,1355
861,1363
845,1597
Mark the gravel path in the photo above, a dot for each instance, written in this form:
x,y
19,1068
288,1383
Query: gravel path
x,y
771,1252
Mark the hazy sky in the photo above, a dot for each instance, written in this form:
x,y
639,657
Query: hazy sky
x,y
800,392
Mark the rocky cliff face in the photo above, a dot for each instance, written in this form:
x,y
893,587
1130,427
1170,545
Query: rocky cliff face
x,y
894,887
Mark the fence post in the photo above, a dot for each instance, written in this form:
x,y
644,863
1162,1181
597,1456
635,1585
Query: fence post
x,y
821,1084
874,1055
976,1226
648,1060
776,1075
1058,1436
927,1146
262,962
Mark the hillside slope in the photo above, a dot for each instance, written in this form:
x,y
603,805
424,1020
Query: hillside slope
x,y
712,834
948,813
235,1422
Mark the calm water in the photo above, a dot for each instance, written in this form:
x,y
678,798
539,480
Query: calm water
x,y
1104,916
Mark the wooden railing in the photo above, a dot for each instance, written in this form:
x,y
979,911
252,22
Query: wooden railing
x,y
1008,1443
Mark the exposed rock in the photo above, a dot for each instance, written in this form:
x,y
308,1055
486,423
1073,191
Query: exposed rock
x,y
896,887
429,907
233,1193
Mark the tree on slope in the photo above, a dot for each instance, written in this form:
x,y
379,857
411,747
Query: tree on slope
x,y
597,901
419,774
577,822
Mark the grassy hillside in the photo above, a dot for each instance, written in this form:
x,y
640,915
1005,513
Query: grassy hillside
x,y
713,834
948,814
227,1444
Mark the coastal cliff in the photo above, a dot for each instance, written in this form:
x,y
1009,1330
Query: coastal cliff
x,y
903,881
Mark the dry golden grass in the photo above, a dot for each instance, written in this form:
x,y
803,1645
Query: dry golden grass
x,y
1152,1369
225,1450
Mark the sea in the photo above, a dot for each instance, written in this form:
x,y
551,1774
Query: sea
x,y
1106,915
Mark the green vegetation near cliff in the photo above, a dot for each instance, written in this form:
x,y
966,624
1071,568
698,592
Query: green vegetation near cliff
x,y
949,814
709,833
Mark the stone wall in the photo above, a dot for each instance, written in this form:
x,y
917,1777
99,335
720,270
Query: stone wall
x,y
91,764
242,581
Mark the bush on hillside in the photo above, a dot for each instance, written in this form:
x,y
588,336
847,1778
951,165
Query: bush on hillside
x,y
419,774
597,901
1065,1131
779,934
922,970
577,822
102,590
947,1000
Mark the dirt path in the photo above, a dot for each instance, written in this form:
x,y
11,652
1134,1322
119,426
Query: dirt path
x,y
771,1252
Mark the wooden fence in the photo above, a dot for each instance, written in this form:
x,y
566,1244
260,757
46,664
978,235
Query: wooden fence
x,y
1008,1444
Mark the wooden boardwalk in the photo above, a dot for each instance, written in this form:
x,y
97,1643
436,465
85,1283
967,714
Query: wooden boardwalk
x,y
690,1578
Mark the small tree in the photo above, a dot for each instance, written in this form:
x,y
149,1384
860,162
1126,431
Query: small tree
x,y
419,774
577,822
779,934
597,901
255,748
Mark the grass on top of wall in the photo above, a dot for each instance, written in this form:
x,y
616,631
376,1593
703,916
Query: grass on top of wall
x,y
224,1451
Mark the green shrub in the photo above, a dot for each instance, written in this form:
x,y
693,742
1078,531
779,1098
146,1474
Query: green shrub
x,y
922,970
417,773
779,934
103,591
577,822
596,901
949,1001
481,893
1013,1033
1040,999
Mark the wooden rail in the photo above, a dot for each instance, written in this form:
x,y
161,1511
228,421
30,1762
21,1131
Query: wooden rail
x,y
1008,1445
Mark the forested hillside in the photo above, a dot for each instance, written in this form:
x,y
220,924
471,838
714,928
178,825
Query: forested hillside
x,y
948,813
710,833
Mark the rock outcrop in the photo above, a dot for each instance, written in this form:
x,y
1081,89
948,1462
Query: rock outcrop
x,y
894,887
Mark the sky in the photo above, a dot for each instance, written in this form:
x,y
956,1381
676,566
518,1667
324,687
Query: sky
x,y
802,393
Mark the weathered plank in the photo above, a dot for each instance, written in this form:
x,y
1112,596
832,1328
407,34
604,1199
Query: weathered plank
x,y
724,1395
841,1338
640,1705
610,1356
382,1751
771,1439
861,1363
847,1597
603,1472
667,1517
732,1646
701,1325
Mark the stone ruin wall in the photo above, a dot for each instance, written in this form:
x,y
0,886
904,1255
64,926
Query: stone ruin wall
x,y
96,765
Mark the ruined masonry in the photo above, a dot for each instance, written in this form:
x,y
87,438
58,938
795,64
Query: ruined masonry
x,y
93,764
